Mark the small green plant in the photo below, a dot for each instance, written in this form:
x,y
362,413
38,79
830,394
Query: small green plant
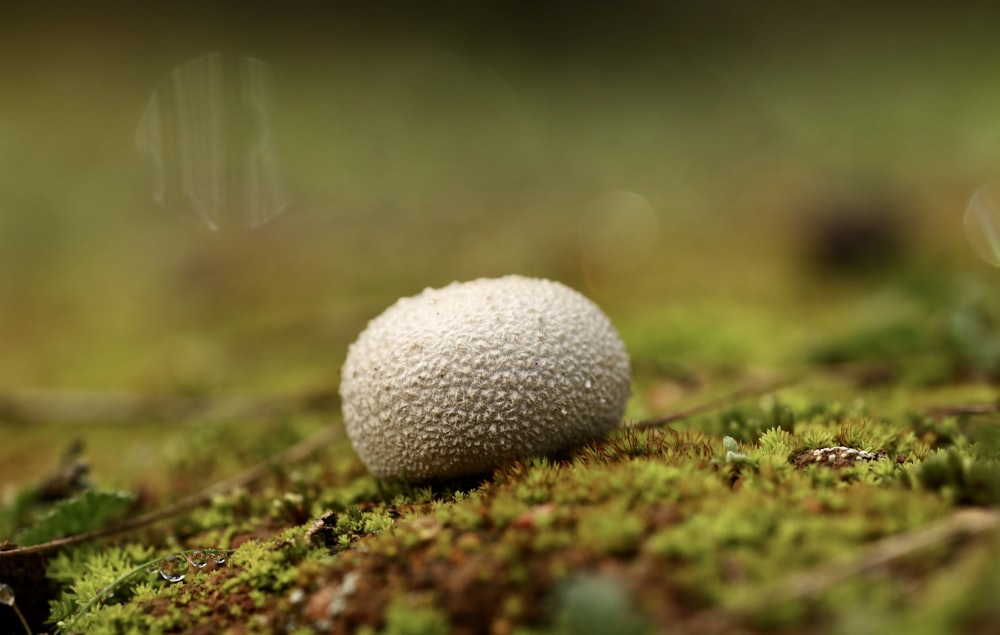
x,y
747,422
863,434
777,442
733,455
171,568
961,476
816,438
85,512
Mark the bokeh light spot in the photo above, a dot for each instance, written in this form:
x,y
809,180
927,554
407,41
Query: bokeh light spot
x,y
982,224
207,133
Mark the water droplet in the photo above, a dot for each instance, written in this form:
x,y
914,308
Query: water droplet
x,y
173,568
982,225
217,555
207,132
197,559
6,594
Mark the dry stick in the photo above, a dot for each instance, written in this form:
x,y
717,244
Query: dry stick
x,y
751,390
296,453
965,409
66,406
809,584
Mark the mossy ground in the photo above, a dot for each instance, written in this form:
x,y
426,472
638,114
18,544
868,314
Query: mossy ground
x,y
724,521
685,528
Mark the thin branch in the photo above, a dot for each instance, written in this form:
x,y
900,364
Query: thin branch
x,y
959,410
754,389
297,452
809,584
62,406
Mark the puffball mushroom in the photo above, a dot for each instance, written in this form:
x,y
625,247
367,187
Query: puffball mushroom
x,y
457,380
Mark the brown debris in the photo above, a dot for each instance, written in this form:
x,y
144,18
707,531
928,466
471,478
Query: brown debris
x,y
836,457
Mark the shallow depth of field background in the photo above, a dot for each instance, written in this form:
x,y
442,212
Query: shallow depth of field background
x,y
672,162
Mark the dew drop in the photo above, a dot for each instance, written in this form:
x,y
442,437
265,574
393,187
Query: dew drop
x,y
218,556
173,568
982,225
197,559
6,594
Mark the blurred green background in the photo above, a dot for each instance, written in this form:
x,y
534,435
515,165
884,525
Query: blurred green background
x,y
680,163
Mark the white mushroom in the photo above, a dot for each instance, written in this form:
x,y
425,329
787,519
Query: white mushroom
x,y
454,381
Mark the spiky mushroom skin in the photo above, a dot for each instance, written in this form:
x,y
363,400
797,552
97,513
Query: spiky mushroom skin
x,y
457,380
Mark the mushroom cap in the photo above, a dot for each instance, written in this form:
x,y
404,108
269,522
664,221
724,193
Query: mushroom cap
x,y
457,380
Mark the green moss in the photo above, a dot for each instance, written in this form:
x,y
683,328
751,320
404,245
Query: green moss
x,y
610,529
960,477
93,581
713,517
414,616
84,512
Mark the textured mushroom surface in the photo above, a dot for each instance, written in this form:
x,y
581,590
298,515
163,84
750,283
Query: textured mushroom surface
x,y
456,380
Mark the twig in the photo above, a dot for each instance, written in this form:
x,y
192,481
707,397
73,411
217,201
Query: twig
x,y
809,584
750,390
293,454
965,409
61,406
